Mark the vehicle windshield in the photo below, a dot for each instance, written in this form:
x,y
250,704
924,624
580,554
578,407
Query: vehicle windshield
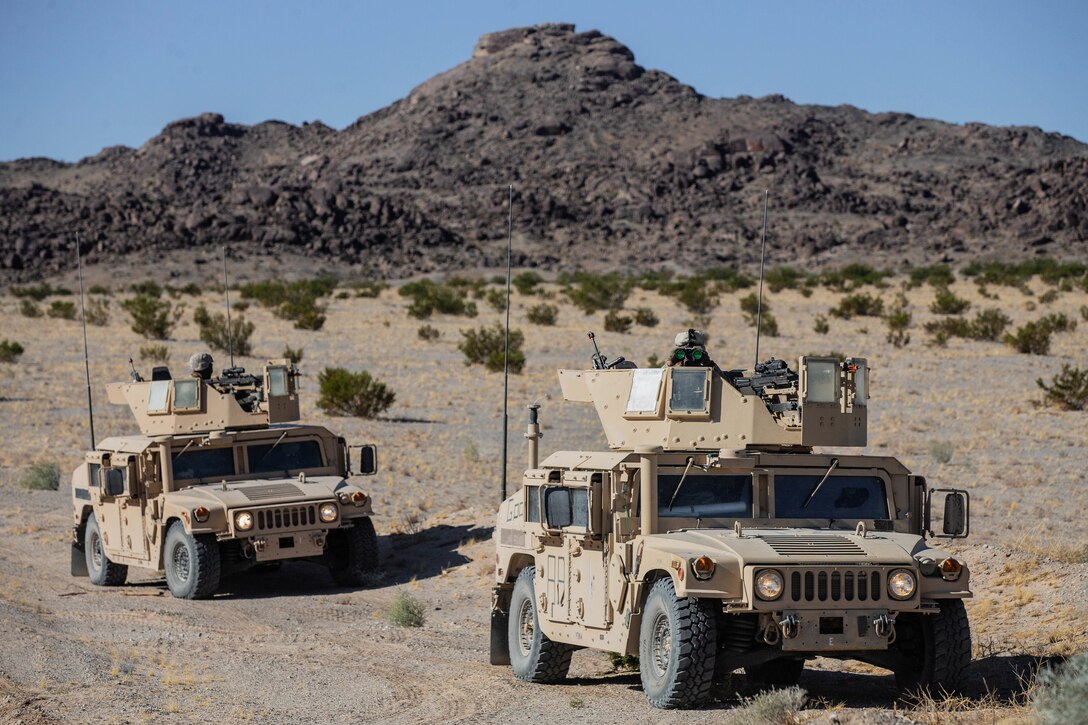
x,y
840,497
287,456
203,463
704,497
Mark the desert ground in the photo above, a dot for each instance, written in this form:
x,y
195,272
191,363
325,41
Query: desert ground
x,y
288,646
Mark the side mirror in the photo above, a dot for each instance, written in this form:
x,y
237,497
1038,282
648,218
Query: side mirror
x,y
113,481
368,460
557,508
956,517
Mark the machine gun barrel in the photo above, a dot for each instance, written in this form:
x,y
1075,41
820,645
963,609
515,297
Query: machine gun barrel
x,y
600,362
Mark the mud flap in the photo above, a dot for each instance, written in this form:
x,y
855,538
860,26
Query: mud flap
x,y
79,562
500,643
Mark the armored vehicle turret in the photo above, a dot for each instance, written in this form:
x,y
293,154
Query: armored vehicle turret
x,y
221,478
713,536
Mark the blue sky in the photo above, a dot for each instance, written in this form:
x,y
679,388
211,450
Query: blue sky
x,y
78,76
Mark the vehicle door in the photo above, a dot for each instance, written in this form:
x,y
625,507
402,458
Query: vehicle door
x,y
588,553
553,558
110,492
134,511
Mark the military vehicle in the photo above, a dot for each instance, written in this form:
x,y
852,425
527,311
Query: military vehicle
x,y
713,536
221,479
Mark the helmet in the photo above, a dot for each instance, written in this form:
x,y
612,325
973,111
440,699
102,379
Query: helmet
x,y
201,365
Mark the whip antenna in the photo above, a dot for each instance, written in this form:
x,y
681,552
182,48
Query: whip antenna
x,y
762,256
86,362
506,343
226,294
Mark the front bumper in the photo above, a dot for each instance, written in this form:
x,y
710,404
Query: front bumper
x,y
816,630
273,547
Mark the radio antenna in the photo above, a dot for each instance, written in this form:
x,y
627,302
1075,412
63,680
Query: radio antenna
x,y
762,257
226,294
506,342
86,361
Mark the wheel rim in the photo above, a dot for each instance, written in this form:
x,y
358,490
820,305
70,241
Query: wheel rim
x,y
96,552
661,644
181,563
526,627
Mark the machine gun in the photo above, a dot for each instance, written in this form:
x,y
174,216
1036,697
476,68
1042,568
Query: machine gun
x,y
247,389
600,362
774,382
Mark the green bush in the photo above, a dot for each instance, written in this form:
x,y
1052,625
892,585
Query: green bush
x,y
497,299
304,311
428,333
155,353
654,279
773,707
97,289
1058,322
10,351
1032,338
543,314
62,309
821,327
149,288
368,288
1061,693
861,304
947,303
1017,274
526,283
213,331
152,317
645,317
623,662
429,297
97,312
989,325
937,275
352,394
749,305
898,320
615,322
1047,297
727,279
297,301
853,276
592,292
39,292
781,278
654,361
42,476
29,309
484,346
405,611
293,354
1068,389
696,296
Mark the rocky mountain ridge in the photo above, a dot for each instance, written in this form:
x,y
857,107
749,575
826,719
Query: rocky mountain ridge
x,y
613,166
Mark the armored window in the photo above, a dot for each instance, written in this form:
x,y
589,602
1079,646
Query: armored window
x,y
158,397
822,384
277,381
557,503
186,394
840,497
532,504
645,396
287,456
579,507
704,497
690,391
203,463
861,384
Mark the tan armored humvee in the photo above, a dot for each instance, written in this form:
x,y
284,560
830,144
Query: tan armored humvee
x,y
221,479
712,537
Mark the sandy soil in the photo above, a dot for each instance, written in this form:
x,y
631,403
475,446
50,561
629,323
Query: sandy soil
x,y
287,646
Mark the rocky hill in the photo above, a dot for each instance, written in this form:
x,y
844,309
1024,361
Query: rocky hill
x,y
613,165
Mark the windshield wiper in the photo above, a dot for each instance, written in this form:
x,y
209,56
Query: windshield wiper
x,y
832,467
269,451
182,452
687,468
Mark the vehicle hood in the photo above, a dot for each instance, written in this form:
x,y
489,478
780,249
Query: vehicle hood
x,y
265,492
789,546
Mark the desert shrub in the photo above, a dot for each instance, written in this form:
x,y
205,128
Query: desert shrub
x,y
149,287
654,361
1032,338
853,276
298,301
947,303
497,299
293,354
941,451
428,333
239,306
1058,322
821,327
97,313
429,297
29,309
214,332
989,325
352,394
861,304
526,283
543,314
696,295
623,662
1068,389
898,320
1047,297
592,292
1061,693
155,353
774,707
1017,274
192,289
749,305
654,279
405,611
42,476
10,351
946,328
39,292
727,279
781,278
475,287
97,289
484,346
152,317
343,295
305,311
615,322
937,275
62,309
368,288
645,317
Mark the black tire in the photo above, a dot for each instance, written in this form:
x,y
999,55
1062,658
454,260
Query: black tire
x,y
533,657
782,672
192,563
939,647
100,569
352,554
677,648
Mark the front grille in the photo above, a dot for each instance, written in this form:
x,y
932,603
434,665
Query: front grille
x,y
272,490
828,545
286,517
837,585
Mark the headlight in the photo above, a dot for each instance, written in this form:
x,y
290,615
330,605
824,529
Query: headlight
x,y
769,584
901,584
327,512
703,567
243,521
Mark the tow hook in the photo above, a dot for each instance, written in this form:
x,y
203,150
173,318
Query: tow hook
x,y
883,626
259,544
789,626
